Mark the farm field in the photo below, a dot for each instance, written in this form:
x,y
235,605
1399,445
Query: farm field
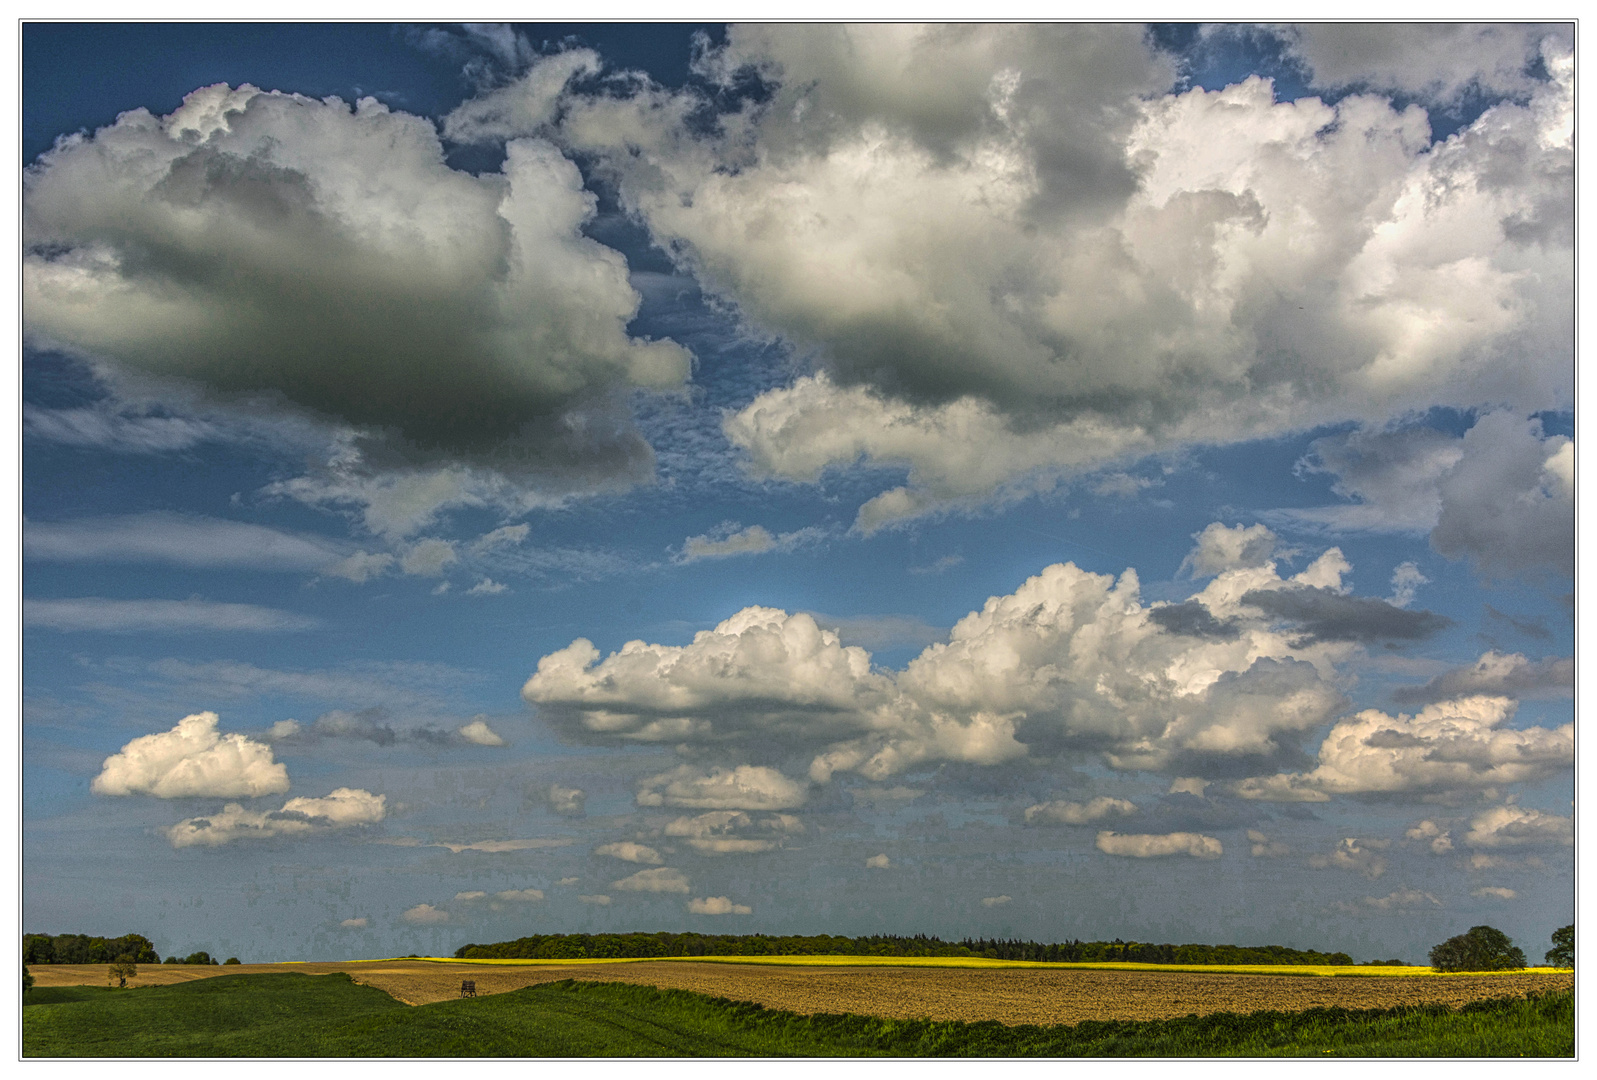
x,y
1009,993
295,1015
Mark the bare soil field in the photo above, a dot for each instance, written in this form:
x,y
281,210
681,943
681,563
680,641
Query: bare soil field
x,y
1010,996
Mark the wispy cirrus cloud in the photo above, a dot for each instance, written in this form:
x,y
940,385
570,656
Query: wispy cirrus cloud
x,y
94,613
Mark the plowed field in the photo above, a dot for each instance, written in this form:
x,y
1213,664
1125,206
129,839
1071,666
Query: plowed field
x,y
1011,996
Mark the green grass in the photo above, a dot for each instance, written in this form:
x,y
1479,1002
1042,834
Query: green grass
x,y
296,1015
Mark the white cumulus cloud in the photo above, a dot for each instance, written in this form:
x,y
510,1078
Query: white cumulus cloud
x,y
1060,812
718,905
478,732
630,852
192,759
342,809
425,915
660,879
1155,845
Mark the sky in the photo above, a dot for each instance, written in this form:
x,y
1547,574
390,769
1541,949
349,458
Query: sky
x,y
1053,482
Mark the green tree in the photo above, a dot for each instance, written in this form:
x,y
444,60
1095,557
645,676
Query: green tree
x,y
1562,954
231,960
27,980
122,969
1484,948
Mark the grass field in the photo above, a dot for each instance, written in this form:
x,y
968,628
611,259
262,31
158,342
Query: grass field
x,y
293,1015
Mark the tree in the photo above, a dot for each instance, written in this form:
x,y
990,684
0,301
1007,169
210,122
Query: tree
x,y
27,980
1562,954
231,960
1484,948
122,969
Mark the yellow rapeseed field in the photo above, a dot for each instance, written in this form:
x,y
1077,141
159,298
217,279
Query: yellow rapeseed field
x,y
1325,970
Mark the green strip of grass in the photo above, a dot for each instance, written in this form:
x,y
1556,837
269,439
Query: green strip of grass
x,y
329,1016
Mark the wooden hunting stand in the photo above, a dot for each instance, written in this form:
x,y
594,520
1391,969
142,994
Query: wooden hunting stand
x,y
468,988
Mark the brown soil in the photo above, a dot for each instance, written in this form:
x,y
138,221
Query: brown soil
x,y
1012,996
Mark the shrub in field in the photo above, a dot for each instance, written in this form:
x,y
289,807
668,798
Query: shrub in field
x,y
122,969
27,980
1484,948
1562,954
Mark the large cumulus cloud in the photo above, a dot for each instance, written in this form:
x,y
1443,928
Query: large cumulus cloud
x,y
1071,662
1457,746
1012,253
192,759
327,253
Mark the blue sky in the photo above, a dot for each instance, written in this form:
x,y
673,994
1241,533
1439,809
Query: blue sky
x,y
1053,482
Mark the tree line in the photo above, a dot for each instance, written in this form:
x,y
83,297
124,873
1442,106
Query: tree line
x,y
85,949
639,945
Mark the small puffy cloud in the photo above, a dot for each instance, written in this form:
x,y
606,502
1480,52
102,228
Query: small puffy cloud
x,y
354,924
1353,854
1060,812
733,832
566,801
1405,899
565,881
361,566
660,879
630,852
1261,846
1406,580
487,587
480,733
995,901
1191,785
878,862
598,899
1155,845
1506,674
342,809
1516,826
93,613
1450,747
474,894
1493,892
525,105
1509,503
746,787
518,896
718,905
424,915
428,557
192,759
725,541
1438,839
490,318
1236,548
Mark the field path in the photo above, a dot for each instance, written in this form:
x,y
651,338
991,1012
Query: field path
x,y
1011,996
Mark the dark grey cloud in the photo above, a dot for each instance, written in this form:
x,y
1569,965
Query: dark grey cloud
x,y
1194,620
325,253
1327,615
1496,673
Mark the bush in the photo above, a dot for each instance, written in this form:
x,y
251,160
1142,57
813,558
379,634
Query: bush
x,y
1484,948
1562,954
230,960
